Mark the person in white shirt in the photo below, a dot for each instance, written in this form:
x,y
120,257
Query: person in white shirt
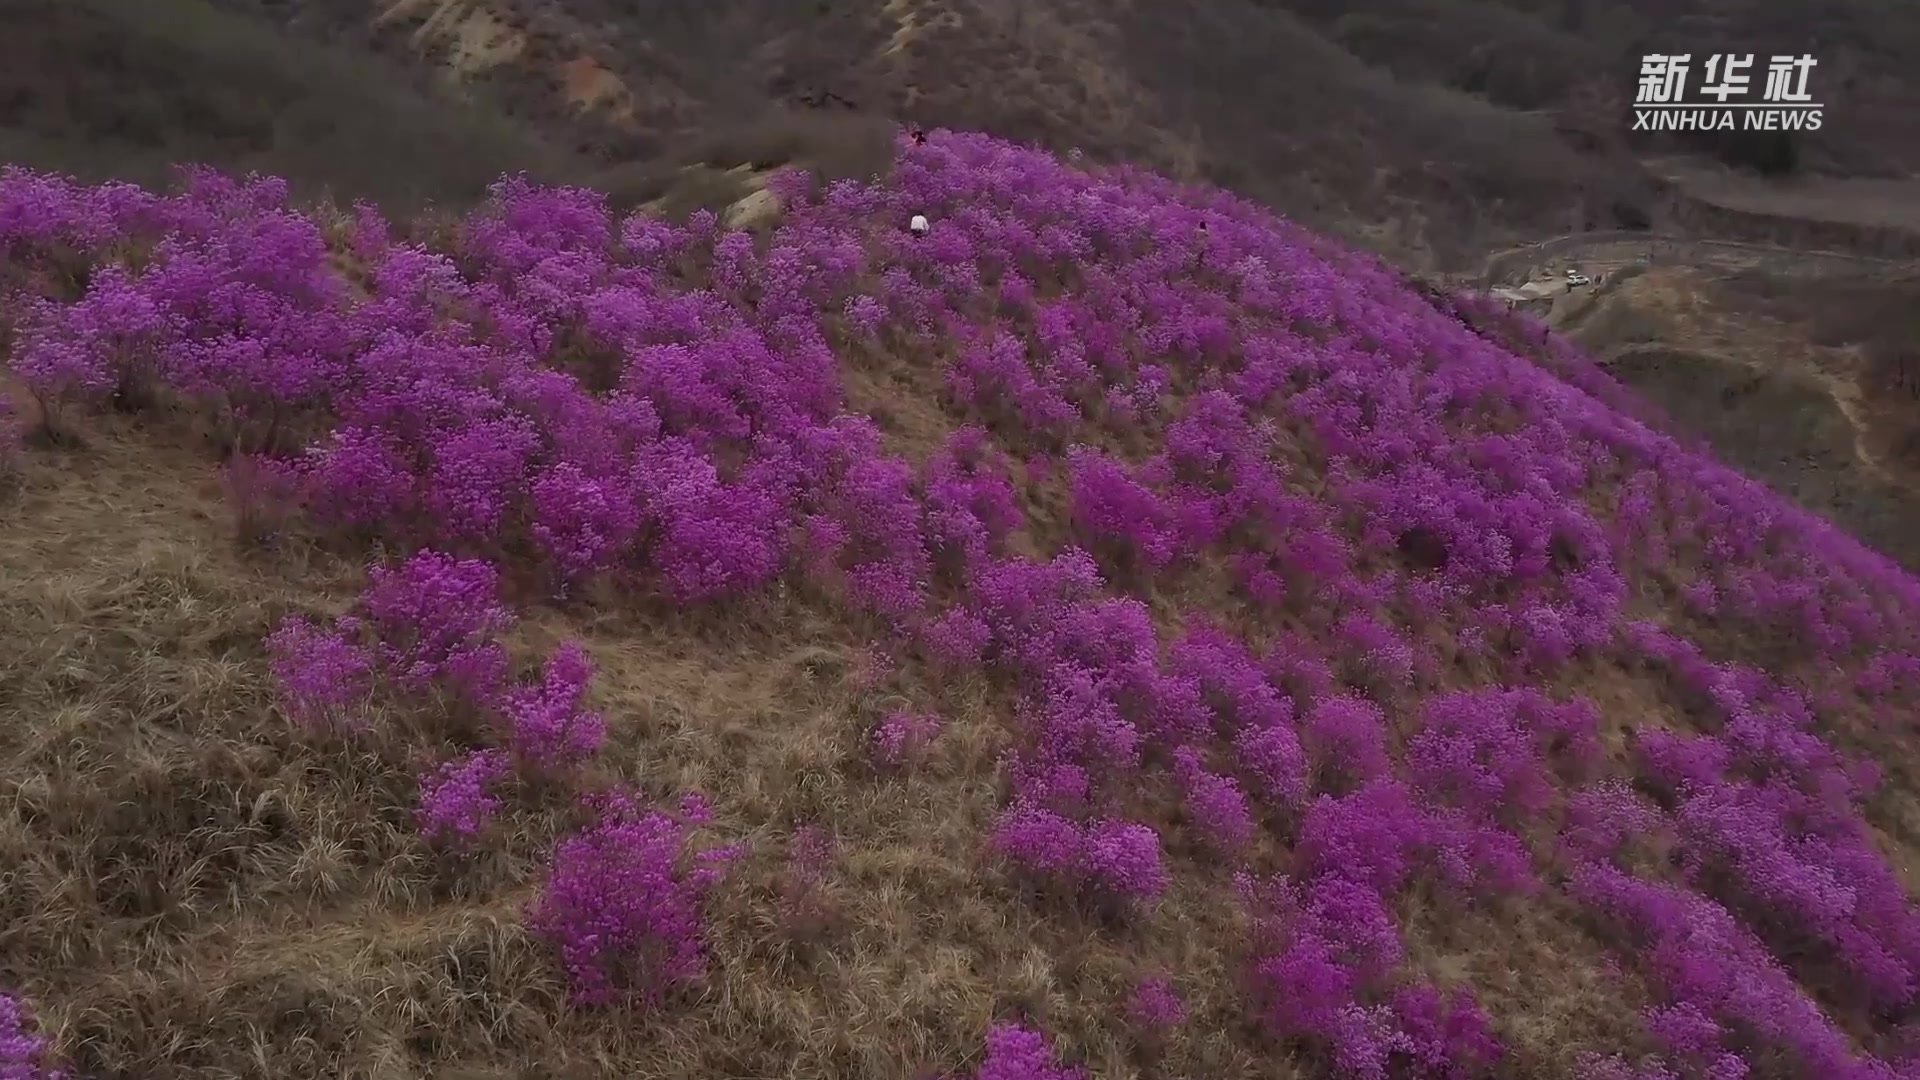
x,y
918,226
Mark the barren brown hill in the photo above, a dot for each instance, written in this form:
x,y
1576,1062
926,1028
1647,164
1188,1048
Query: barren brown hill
x,y
1427,129
105,88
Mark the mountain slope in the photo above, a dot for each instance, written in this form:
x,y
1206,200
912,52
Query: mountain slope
x,y
1429,128
1120,626
105,88
1238,93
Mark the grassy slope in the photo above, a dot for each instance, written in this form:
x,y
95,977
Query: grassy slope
x,y
197,889
1427,128
217,896
206,892
104,88
1241,93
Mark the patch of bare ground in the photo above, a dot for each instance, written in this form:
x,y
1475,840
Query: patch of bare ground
x,y
1871,322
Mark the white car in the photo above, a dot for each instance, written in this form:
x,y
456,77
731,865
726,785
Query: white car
x,y
1575,279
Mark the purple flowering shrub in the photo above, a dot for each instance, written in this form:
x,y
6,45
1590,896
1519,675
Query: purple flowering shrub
x,y
434,622
969,508
1765,816
956,639
1266,558
399,632
1328,975
23,1055
1116,512
1481,752
1154,1008
88,351
438,620
1214,803
868,530
1014,1052
1117,861
1347,739
45,217
624,904
546,723
324,675
1716,972
457,801
902,737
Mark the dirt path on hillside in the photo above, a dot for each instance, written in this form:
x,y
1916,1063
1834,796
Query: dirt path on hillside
x,y
1600,253
1680,301
1872,202
1661,295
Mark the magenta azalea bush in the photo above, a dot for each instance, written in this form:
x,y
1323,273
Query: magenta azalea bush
x,y
903,736
325,675
457,800
1154,1008
1014,1052
1117,860
623,904
547,724
23,1055
1270,562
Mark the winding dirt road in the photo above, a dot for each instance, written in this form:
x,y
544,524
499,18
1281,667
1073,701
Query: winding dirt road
x,y
1601,253
1615,259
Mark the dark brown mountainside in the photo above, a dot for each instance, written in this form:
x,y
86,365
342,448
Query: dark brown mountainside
x,y
1427,128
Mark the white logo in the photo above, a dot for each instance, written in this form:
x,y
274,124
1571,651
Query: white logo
x,y
1726,76
1661,101
1662,79
1784,69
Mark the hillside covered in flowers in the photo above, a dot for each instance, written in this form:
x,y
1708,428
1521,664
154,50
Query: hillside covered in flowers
x,y
1117,633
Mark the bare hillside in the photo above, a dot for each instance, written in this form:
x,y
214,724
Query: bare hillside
x,y
1193,90
1428,129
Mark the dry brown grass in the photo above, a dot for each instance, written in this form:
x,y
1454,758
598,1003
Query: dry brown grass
x,y
189,886
196,888
104,88
1806,381
1242,93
